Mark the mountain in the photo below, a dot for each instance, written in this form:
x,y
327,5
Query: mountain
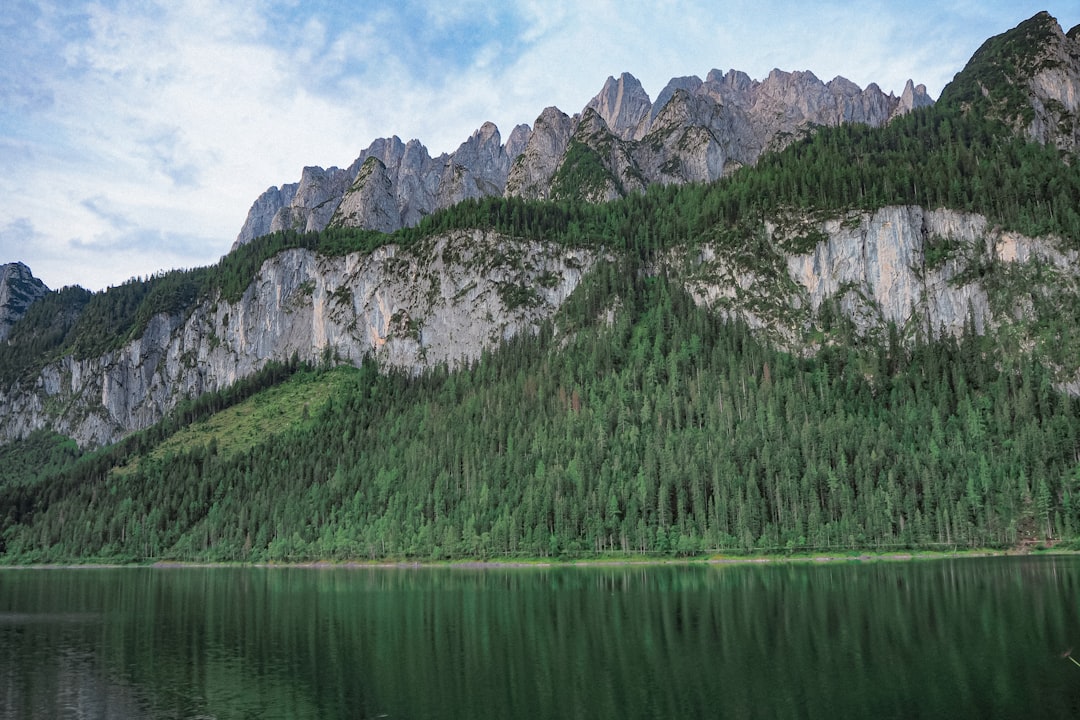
x,y
18,290
1029,78
693,131
389,186
873,262
751,314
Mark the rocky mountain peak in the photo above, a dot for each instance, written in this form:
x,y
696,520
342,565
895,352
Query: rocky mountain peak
x,y
531,173
734,80
261,215
18,290
690,85
696,131
624,105
484,147
515,144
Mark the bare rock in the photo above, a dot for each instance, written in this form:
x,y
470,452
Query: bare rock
x,y
18,290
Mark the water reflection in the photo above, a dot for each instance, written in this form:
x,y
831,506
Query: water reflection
x,y
966,638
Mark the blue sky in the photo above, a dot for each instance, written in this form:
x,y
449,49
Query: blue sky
x,y
134,135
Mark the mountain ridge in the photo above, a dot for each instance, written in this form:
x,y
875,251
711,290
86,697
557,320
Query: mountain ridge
x,y
736,119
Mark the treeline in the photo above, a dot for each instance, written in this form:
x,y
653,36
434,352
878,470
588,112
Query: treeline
x,y
668,432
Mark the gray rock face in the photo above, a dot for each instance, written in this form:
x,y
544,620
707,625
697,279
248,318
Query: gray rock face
x,y
403,187
1055,93
696,131
444,302
690,85
515,144
531,173
873,268
370,202
18,290
317,196
769,114
879,268
688,141
624,173
412,175
478,168
696,128
261,215
913,98
624,105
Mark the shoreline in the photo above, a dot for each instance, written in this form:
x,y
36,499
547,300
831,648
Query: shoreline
x,y
549,563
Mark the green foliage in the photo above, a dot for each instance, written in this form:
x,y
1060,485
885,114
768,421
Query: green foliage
x,y
40,455
515,295
40,335
239,426
582,175
939,249
933,158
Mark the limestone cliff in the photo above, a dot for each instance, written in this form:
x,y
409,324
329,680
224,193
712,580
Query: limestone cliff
x,y
924,272
444,302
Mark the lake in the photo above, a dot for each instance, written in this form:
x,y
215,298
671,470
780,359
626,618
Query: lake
x,y
972,637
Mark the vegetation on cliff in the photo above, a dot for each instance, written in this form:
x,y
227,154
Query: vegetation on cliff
x,y
668,431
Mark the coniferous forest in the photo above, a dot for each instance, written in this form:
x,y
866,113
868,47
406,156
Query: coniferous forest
x,y
657,429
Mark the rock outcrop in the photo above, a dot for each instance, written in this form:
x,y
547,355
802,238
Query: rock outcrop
x,y
1055,91
18,290
260,217
389,186
624,106
532,171
923,272
445,302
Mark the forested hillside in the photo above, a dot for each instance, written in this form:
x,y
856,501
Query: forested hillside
x,y
634,420
667,431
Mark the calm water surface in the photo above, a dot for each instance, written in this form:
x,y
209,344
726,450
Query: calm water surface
x,y
975,638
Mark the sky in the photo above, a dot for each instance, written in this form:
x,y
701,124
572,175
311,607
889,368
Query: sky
x,y
135,135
